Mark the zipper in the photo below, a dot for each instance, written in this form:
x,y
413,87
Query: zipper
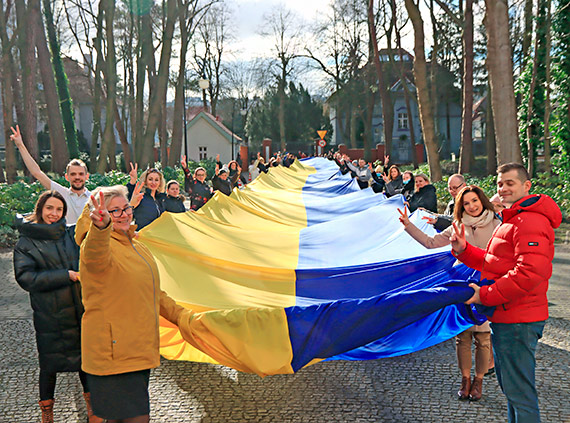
x,y
153,282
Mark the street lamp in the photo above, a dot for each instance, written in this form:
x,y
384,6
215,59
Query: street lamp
x,y
204,84
185,152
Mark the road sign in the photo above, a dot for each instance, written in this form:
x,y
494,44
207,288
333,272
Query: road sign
x,y
322,143
322,135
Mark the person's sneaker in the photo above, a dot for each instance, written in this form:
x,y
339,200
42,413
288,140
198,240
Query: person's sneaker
x,y
490,372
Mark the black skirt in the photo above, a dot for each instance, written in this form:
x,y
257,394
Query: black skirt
x,y
121,396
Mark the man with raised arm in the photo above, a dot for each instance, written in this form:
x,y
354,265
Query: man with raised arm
x,y
76,196
518,260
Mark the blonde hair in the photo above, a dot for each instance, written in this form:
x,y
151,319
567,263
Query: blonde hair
x,y
109,193
423,176
147,172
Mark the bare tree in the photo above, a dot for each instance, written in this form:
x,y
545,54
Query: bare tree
x,y
424,101
59,152
499,65
6,78
286,31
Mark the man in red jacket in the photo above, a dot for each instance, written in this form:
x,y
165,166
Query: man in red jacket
x,y
518,259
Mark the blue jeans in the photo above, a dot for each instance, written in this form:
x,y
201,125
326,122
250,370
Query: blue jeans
x,y
514,347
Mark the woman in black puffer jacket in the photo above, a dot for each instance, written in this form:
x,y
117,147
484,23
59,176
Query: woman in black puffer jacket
x,y
424,195
46,263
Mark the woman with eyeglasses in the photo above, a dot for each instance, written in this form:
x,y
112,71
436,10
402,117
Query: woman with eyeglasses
x,y
123,302
46,260
148,204
473,210
200,191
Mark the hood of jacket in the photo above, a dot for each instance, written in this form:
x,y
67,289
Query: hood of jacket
x,y
40,231
536,203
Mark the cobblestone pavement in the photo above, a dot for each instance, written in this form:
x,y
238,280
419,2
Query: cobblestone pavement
x,y
419,387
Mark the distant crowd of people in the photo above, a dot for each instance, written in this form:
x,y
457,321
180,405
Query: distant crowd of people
x,y
95,290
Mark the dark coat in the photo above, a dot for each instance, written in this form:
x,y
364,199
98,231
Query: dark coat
x,y
199,192
173,204
149,208
395,186
42,258
444,220
425,198
222,185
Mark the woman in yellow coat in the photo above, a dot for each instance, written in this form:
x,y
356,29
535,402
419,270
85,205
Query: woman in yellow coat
x,y
123,302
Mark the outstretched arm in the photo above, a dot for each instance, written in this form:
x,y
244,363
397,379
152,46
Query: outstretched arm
x,y
29,161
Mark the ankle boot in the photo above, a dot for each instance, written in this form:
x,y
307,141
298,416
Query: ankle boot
x,y
463,392
92,417
47,410
476,389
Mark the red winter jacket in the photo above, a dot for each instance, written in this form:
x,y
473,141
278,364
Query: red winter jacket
x,y
519,259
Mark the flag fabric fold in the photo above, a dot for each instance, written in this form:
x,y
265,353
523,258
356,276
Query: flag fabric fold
x,y
302,266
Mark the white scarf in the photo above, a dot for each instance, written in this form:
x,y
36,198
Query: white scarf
x,y
480,221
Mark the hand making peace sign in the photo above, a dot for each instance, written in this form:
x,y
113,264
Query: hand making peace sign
x,y
404,217
99,215
134,173
457,239
137,196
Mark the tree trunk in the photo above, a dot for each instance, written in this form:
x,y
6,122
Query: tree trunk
x,y
122,136
178,119
97,90
466,154
424,101
107,153
281,114
404,81
385,97
530,134
6,77
59,153
28,65
490,136
547,106
499,65
62,84
527,35
158,97
146,50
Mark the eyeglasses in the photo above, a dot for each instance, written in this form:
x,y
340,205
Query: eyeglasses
x,y
456,188
119,212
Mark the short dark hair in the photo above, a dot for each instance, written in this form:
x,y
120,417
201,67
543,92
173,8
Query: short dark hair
x,y
521,170
36,216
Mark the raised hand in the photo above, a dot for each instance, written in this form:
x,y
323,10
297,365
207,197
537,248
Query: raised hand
x,y
386,179
183,162
73,275
134,172
457,239
17,136
218,157
386,159
99,215
137,194
430,219
404,219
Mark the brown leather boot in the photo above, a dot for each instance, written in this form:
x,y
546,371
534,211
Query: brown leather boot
x,y
47,410
476,391
92,417
463,392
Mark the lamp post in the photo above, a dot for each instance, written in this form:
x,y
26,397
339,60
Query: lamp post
x,y
233,118
185,146
204,84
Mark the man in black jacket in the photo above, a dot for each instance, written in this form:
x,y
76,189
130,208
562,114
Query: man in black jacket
x,y
455,183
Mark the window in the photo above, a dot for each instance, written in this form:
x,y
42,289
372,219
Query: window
x,y
203,153
402,121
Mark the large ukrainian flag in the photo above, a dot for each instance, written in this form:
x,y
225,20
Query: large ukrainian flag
x,y
301,266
